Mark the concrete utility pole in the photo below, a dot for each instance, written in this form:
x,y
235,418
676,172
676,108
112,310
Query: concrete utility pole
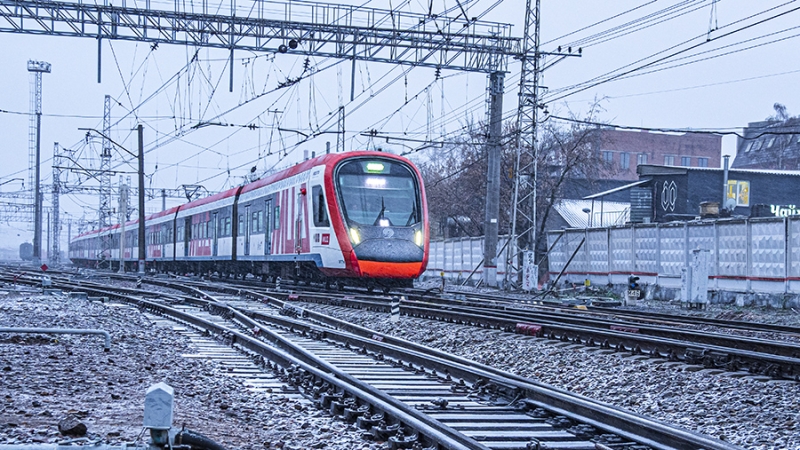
x,y
493,147
55,251
37,68
140,130
123,217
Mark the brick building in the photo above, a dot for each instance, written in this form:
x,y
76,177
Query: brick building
x,y
771,144
625,150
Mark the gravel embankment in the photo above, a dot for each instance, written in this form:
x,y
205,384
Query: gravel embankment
x,y
45,378
746,411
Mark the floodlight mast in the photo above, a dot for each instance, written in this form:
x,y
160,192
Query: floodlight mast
x,y
36,68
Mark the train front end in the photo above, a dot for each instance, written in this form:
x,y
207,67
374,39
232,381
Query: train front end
x,y
384,233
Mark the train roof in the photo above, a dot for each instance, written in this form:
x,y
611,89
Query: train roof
x,y
112,227
327,159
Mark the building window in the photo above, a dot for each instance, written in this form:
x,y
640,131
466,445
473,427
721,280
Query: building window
x,y
624,160
641,158
669,160
702,162
608,156
686,161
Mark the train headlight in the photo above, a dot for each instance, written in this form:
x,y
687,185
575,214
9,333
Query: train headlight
x,y
418,238
354,236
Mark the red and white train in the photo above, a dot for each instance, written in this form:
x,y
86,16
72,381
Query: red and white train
x,y
354,218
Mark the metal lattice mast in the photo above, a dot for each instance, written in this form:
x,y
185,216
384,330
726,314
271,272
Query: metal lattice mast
x,y
105,167
36,68
340,131
525,162
301,29
55,248
105,210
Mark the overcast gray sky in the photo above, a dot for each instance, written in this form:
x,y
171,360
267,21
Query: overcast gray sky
x,y
725,64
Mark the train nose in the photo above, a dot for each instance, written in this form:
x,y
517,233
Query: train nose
x,y
389,250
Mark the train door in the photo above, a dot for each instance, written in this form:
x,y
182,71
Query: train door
x,y
246,230
268,227
215,224
187,234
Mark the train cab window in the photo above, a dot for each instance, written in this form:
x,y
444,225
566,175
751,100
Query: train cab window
x,y
378,192
320,207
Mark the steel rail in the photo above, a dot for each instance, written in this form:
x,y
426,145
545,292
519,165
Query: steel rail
x,y
759,345
778,361
503,302
562,402
583,409
291,355
618,421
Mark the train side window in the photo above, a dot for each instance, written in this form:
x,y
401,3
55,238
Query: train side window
x,y
258,222
241,224
320,210
277,217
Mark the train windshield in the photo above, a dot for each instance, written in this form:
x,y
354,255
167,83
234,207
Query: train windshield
x,y
379,192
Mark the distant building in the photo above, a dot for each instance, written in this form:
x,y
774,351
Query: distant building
x,y
771,144
626,150
668,193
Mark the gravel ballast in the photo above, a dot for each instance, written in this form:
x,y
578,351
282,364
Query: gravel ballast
x,y
752,412
47,378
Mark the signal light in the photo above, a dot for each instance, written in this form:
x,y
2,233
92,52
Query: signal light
x,y
375,167
633,282
283,49
292,44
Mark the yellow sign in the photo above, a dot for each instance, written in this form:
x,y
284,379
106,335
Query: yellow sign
x,y
739,191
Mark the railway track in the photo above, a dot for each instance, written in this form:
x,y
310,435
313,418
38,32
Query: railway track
x,y
659,336
404,394
623,332
778,359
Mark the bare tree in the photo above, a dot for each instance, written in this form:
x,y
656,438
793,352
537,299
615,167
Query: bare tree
x,y
455,176
567,155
